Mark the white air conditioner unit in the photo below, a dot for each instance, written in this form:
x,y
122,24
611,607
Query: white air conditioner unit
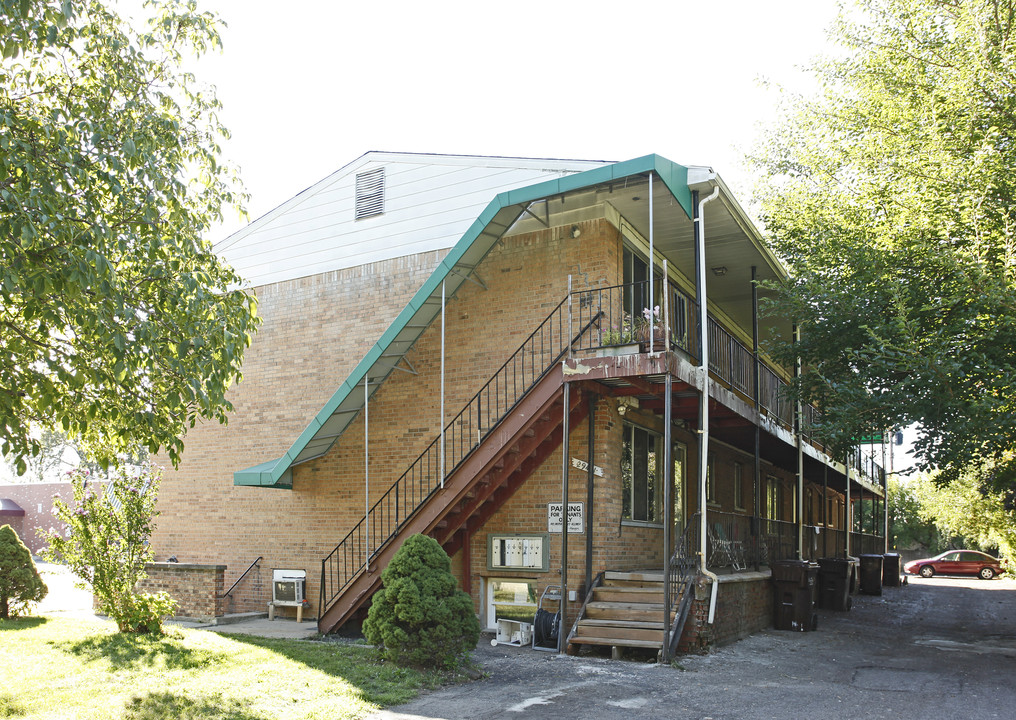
x,y
288,587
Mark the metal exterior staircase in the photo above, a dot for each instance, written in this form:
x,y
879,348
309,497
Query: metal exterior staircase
x,y
505,432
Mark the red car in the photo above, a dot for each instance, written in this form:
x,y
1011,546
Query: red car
x,y
956,562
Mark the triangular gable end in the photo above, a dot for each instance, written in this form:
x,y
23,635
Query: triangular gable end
x,y
498,216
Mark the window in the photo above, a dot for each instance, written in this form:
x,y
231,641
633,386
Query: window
x,y
680,468
739,486
711,480
773,498
641,486
370,193
511,600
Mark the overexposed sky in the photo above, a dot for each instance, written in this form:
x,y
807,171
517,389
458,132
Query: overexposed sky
x,y
309,86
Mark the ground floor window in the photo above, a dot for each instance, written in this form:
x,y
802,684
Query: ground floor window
x,y
641,481
510,599
774,498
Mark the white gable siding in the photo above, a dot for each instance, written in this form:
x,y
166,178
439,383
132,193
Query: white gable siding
x,y
430,201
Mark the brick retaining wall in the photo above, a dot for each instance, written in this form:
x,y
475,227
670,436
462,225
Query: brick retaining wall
x,y
193,586
744,605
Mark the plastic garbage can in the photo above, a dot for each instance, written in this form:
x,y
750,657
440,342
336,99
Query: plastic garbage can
x,y
871,574
834,584
794,583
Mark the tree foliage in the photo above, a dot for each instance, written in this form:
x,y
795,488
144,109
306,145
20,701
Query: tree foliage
x,y
420,616
20,583
108,545
890,194
118,324
970,511
910,526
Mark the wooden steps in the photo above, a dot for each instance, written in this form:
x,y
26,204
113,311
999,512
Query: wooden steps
x,y
625,611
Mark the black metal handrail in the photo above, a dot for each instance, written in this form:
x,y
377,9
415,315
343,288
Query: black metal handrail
x,y
242,576
682,573
543,349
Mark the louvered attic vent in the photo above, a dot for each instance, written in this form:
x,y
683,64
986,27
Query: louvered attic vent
x,y
370,193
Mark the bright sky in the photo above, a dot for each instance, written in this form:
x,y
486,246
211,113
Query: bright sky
x,y
313,86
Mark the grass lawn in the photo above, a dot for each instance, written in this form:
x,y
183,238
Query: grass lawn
x,y
69,669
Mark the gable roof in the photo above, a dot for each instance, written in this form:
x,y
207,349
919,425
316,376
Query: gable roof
x,y
425,306
422,203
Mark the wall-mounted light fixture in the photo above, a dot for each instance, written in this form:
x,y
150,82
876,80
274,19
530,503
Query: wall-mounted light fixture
x,y
575,231
719,271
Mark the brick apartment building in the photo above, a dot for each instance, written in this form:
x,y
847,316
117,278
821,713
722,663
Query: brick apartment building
x,y
455,345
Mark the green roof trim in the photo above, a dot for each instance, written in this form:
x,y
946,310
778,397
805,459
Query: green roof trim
x,y
344,405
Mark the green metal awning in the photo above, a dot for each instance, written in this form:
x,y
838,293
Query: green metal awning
x,y
380,361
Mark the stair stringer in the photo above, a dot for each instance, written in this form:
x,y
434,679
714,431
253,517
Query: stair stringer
x,y
534,404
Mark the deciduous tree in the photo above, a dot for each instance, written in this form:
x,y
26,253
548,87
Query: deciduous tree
x,y
890,194
117,322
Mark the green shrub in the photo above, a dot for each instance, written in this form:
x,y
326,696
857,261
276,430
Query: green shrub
x,y
20,583
420,617
108,545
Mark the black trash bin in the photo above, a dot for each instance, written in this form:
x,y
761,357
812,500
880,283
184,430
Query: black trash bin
x,y
855,574
794,595
834,584
871,574
892,569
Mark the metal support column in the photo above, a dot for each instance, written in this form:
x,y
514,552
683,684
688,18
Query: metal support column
x,y
565,453
366,473
757,394
562,632
652,268
442,423
668,519
590,486
848,515
800,455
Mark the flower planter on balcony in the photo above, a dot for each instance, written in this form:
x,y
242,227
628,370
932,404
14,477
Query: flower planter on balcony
x,y
619,350
659,336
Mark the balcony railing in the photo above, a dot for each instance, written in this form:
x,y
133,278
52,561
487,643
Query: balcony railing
x,y
623,320
732,542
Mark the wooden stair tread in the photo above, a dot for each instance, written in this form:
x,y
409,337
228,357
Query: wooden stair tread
x,y
610,605
642,576
620,642
642,625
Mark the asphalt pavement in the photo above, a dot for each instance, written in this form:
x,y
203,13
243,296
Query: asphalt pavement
x,y
937,648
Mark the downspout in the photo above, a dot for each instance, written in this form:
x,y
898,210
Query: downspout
x,y
700,249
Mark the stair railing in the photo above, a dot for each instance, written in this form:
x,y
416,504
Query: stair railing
x,y
538,354
682,574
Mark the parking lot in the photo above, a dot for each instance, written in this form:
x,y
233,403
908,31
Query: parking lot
x,y
936,648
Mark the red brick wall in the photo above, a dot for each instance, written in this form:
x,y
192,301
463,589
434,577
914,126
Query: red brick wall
x,y
36,499
194,587
315,331
744,605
